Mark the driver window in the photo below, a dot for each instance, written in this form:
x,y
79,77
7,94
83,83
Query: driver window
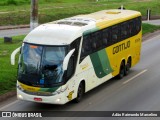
x,y
73,60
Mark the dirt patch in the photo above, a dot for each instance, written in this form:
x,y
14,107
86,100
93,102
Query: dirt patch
x,y
7,95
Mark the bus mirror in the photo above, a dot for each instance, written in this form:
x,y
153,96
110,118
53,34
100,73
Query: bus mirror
x,y
66,59
13,55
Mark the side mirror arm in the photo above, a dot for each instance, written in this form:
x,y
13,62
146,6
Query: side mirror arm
x,y
13,55
66,59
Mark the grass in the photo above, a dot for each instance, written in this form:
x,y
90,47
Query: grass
x,y
24,2
8,73
148,28
50,10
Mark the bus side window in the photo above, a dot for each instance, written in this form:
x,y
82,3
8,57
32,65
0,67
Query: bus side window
x,y
124,30
96,41
106,37
138,24
86,47
115,34
93,42
131,28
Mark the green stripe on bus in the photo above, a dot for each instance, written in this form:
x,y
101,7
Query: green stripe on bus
x,y
90,31
101,63
48,89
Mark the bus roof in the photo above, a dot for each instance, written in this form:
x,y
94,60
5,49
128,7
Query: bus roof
x,y
63,32
111,14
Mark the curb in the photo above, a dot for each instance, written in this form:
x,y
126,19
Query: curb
x,y
150,35
13,27
7,95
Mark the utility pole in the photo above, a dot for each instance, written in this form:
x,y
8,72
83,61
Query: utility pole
x,y
34,14
148,14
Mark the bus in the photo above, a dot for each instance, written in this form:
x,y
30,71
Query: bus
x,y
62,60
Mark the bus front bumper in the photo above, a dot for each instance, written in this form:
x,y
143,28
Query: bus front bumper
x,y
55,99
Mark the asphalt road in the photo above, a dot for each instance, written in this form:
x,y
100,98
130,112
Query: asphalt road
x,y
139,91
14,32
24,31
154,22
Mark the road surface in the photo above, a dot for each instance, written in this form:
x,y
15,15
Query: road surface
x,y
139,91
14,32
153,22
25,31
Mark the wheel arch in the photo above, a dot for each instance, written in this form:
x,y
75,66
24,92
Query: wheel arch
x,y
84,83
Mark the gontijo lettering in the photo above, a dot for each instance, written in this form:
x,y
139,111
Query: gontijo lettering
x,y
121,47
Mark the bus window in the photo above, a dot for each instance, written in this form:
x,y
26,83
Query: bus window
x,y
86,46
130,28
124,30
96,44
115,34
138,24
105,37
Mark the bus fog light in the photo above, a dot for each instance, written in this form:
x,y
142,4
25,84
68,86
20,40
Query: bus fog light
x,y
20,96
58,100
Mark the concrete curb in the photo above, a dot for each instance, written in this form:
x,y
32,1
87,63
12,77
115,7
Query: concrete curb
x,y
13,27
7,95
150,35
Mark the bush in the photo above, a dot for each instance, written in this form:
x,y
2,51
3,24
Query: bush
x,y
11,2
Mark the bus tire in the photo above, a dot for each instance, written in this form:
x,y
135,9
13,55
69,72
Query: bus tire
x,y
127,66
122,70
80,92
126,69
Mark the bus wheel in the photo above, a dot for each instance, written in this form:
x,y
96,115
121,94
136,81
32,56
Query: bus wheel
x,y
80,92
127,67
122,70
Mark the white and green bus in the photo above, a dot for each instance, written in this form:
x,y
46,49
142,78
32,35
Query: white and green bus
x,y
61,60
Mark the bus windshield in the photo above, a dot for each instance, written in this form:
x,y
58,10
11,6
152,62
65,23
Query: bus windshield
x,y
41,65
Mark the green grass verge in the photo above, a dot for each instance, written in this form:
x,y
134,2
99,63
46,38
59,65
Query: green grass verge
x,y
27,2
148,28
50,10
8,73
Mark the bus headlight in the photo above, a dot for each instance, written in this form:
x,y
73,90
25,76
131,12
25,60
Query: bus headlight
x,y
62,89
58,100
19,87
20,96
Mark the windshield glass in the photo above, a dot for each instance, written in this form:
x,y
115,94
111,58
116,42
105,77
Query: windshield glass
x,y
41,65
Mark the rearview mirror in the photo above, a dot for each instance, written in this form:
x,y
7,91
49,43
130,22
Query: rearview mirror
x,y
66,59
13,55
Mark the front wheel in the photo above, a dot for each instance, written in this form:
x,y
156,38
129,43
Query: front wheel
x,y
80,92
